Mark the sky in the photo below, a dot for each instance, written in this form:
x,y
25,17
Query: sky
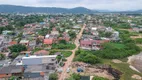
x,y
113,5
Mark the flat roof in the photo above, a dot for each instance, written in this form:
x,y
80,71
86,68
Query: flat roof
x,y
34,56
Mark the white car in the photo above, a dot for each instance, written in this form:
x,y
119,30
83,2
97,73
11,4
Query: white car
x,y
68,70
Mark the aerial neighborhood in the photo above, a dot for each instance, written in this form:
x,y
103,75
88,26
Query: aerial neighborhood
x,y
39,46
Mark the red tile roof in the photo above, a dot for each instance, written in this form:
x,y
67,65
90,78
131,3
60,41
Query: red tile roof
x,y
13,42
86,42
48,41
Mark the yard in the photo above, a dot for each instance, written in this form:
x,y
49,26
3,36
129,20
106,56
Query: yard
x,y
65,53
118,45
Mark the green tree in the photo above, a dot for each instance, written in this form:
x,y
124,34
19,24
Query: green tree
x,y
17,48
14,55
13,78
72,34
53,76
62,42
74,76
2,56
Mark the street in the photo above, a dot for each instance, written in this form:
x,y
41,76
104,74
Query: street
x,y
69,59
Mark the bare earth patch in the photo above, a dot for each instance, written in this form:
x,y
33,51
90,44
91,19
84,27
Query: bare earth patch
x,y
90,70
135,62
116,61
137,77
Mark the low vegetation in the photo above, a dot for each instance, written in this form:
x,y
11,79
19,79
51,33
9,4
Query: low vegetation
x,y
64,53
99,78
63,46
74,76
127,72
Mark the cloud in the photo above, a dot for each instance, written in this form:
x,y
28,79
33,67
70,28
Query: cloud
x,y
92,4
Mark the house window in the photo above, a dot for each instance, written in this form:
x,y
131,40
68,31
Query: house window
x,y
51,63
53,59
53,68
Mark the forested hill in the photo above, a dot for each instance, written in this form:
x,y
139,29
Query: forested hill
x,y
23,9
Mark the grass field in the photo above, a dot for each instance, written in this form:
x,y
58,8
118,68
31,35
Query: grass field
x,y
117,45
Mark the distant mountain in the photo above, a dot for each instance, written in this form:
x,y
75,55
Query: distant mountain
x,y
139,11
102,10
111,11
23,9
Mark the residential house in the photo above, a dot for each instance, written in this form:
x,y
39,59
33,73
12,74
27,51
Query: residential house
x,y
37,67
4,43
32,45
65,37
11,70
48,41
39,72
92,44
54,32
12,43
36,60
24,42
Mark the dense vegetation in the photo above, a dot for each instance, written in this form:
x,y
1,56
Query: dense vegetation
x,y
20,21
17,48
138,40
72,34
43,31
6,28
122,25
53,76
2,56
105,34
121,49
87,57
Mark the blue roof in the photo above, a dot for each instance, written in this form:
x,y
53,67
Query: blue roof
x,y
42,22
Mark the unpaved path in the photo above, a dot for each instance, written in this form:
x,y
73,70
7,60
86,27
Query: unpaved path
x,y
69,59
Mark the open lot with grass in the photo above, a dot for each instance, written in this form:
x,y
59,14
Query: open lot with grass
x,y
118,45
124,68
65,53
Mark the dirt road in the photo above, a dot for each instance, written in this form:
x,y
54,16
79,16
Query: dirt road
x,y
69,59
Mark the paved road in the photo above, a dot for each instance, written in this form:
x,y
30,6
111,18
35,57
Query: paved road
x,y
69,59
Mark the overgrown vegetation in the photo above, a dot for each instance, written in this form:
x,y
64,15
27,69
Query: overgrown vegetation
x,y
63,46
2,56
138,40
87,57
125,48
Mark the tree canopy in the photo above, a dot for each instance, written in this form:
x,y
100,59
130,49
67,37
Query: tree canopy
x,y
87,57
53,76
17,48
